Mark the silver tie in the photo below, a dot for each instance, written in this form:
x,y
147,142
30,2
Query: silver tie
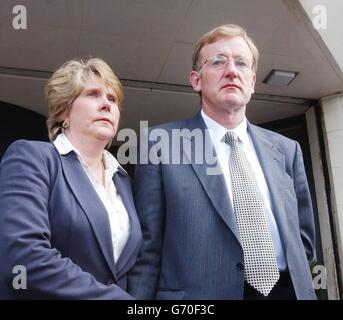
x,y
261,270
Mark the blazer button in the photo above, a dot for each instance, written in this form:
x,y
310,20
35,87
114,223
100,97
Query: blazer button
x,y
110,282
240,266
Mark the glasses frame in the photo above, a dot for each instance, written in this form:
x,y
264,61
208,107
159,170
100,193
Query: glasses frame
x,y
249,67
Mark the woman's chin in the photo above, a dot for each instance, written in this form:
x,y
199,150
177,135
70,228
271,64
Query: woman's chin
x,y
105,138
105,133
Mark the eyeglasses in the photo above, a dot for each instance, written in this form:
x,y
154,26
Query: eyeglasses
x,y
221,61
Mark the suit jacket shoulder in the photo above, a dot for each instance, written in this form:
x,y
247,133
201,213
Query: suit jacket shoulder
x,y
37,149
36,154
281,143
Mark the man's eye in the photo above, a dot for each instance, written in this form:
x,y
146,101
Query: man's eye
x,y
219,62
241,63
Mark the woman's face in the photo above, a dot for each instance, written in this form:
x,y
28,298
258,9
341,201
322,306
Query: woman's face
x,y
94,113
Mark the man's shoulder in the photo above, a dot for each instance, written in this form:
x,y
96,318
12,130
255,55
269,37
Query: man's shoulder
x,y
272,135
174,125
284,145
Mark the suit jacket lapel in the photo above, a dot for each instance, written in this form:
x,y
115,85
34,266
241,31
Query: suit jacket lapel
x,y
273,167
90,204
123,187
214,184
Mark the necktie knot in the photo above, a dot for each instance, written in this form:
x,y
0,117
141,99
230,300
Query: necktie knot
x,y
230,137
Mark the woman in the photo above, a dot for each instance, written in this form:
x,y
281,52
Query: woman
x,y
68,225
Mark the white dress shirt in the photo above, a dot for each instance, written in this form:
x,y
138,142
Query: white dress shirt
x,y
223,150
108,194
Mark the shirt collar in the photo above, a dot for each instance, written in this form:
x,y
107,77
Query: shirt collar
x,y
112,164
64,146
218,131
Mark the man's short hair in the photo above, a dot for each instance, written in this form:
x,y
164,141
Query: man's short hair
x,y
224,31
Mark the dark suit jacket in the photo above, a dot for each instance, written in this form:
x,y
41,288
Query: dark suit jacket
x,y
191,247
53,223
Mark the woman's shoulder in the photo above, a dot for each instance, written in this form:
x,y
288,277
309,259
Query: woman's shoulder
x,y
32,149
31,158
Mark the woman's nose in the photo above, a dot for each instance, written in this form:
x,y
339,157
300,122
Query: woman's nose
x,y
105,104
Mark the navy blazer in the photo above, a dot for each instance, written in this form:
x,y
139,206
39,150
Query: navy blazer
x,y
53,223
191,247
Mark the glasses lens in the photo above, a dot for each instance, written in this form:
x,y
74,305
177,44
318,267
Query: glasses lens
x,y
219,62
241,63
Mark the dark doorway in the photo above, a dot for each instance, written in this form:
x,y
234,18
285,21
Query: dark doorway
x,y
295,128
20,123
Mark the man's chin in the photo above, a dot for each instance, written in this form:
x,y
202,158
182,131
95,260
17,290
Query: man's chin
x,y
234,103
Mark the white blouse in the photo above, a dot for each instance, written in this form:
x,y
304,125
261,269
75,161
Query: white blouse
x,y
108,194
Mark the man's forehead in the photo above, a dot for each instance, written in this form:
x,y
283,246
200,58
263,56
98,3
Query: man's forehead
x,y
236,45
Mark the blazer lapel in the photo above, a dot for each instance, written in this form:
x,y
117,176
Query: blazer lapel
x,y
214,184
273,167
123,187
90,204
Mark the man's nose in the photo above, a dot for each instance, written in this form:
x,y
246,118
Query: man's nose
x,y
231,69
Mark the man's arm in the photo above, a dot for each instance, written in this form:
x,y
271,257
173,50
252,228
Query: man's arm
x,y
150,205
305,210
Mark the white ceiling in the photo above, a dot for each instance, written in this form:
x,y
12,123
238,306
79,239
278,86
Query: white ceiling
x,y
152,41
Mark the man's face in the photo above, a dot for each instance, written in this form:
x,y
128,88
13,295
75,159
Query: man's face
x,y
224,88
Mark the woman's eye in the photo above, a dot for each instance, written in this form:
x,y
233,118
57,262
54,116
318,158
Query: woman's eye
x,y
112,98
92,93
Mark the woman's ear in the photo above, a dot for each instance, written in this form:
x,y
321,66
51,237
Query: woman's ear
x,y
64,119
65,114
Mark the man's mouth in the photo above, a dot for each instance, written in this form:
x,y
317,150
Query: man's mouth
x,y
231,86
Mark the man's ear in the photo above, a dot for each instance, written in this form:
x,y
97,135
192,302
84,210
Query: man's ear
x,y
195,80
253,82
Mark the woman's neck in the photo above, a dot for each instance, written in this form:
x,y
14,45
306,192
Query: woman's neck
x,y
91,151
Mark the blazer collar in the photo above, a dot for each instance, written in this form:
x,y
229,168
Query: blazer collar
x,y
64,146
90,204
213,184
272,162
127,257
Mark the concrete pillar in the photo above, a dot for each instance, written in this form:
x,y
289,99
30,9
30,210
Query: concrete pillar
x,y
332,121
325,227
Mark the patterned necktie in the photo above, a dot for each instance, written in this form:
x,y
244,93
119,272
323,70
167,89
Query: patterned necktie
x,y
261,270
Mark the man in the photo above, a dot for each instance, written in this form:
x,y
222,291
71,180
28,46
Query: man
x,y
245,233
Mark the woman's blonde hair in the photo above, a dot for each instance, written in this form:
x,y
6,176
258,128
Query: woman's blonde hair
x,y
67,83
224,31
